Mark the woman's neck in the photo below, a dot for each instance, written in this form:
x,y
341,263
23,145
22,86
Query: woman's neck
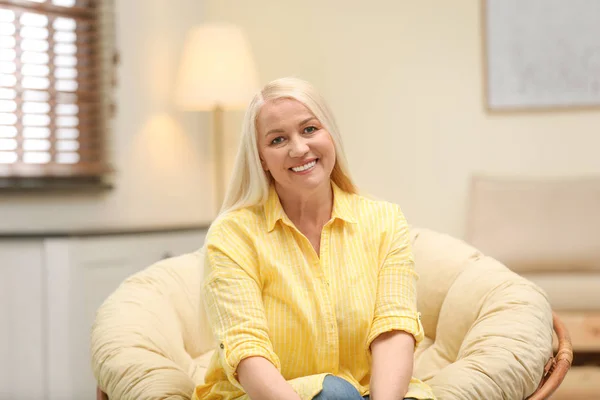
x,y
308,209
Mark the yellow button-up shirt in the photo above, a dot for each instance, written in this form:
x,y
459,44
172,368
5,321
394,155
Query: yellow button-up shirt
x,y
269,294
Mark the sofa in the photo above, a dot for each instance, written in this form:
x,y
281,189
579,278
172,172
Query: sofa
x,y
548,231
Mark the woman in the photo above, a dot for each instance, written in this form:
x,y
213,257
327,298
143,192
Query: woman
x,y
310,289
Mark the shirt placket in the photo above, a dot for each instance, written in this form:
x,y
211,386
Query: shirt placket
x,y
331,350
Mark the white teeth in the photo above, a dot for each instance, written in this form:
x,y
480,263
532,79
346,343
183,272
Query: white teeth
x,y
305,166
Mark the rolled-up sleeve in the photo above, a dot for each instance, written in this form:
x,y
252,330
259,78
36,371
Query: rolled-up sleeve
x,y
396,298
233,301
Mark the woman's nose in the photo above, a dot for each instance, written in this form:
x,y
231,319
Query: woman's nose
x,y
298,147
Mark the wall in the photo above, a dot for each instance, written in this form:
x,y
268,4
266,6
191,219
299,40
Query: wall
x,y
405,80
160,153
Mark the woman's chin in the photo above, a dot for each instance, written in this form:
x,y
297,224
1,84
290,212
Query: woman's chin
x,y
313,182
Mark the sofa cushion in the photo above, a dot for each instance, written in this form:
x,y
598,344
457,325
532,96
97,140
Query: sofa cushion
x,y
537,225
569,291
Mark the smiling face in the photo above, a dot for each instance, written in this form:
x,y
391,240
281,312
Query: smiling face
x,y
294,147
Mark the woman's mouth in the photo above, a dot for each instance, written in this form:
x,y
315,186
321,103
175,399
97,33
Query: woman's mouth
x,y
305,167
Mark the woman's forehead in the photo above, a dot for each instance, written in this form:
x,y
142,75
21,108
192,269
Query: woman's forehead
x,y
282,110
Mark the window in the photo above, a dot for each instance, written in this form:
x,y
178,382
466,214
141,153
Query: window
x,y
55,80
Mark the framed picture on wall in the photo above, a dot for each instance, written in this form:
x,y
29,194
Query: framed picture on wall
x,y
541,54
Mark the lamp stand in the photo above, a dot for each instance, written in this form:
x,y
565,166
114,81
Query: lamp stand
x,y
218,133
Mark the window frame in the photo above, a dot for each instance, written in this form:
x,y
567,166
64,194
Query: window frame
x,y
101,57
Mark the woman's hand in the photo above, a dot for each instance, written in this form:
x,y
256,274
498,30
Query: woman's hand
x,y
391,371
262,381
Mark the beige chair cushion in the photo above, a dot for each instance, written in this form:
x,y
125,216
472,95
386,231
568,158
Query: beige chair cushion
x,y
149,338
489,331
537,225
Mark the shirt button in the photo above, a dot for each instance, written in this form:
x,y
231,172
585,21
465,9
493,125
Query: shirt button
x,y
222,346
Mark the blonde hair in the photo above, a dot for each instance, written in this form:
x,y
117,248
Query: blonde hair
x,y
249,184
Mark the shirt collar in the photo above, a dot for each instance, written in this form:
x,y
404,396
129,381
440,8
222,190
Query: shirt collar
x,y
341,207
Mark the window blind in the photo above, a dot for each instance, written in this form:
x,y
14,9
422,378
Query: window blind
x,y
53,97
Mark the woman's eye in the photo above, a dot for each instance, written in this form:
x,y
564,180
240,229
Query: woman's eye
x,y
310,129
277,140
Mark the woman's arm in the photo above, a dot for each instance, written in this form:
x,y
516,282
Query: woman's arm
x,y
396,327
232,296
262,381
392,365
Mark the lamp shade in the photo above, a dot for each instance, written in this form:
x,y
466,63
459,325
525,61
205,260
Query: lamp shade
x,y
217,69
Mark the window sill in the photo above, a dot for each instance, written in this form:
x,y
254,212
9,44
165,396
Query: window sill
x,y
69,185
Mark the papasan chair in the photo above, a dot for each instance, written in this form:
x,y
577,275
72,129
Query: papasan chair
x,y
489,332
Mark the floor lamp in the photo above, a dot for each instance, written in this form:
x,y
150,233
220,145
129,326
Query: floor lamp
x,y
216,73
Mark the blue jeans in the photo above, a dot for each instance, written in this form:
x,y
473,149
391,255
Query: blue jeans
x,y
335,388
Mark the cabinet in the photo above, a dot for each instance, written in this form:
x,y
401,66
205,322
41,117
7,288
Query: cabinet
x,y
22,320
51,289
